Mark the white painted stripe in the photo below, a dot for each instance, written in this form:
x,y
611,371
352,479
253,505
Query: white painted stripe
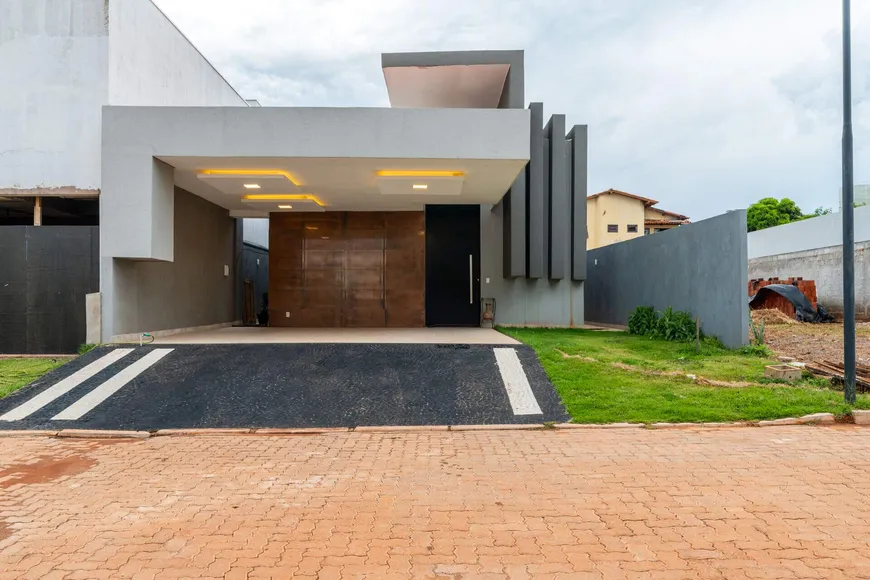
x,y
516,383
78,409
66,385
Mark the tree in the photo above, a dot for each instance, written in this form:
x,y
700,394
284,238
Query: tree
x,y
820,211
769,212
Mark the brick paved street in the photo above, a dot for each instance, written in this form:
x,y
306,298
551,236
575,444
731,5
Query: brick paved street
x,y
784,502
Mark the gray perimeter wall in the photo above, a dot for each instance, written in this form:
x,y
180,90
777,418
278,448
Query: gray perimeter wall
x,y
189,291
700,268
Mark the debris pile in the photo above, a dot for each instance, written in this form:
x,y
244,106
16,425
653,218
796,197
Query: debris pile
x,y
836,373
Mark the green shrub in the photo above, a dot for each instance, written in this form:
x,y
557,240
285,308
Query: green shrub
x,y
675,325
643,320
756,350
86,348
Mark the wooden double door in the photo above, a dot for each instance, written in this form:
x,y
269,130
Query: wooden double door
x,y
347,269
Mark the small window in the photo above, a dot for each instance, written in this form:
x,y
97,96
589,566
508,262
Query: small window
x,y
612,229
632,228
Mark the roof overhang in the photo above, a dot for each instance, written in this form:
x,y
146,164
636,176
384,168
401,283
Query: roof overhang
x,y
310,159
467,79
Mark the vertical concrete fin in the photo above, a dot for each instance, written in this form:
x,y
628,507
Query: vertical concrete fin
x,y
578,172
535,215
559,201
514,228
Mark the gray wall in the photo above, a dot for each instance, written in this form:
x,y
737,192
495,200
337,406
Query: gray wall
x,y
825,267
45,273
700,268
189,291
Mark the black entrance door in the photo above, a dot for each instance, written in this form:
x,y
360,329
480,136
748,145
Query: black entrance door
x,y
452,265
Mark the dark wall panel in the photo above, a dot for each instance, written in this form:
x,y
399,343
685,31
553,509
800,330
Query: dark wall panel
x,y
559,208
578,169
13,290
255,267
48,270
514,228
62,268
535,196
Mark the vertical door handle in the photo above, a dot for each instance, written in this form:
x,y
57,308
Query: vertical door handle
x,y
470,278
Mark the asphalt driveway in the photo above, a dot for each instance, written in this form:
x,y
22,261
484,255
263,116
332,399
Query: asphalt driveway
x,y
287,385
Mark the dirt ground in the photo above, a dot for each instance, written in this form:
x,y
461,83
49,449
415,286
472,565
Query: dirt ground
x,y
807,342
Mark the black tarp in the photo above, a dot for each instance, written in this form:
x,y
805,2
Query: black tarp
x,y
803,308
45,273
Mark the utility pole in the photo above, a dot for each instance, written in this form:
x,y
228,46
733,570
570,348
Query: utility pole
x,y
848,216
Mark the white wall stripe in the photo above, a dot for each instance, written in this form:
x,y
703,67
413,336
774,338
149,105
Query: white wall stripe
x,y
78,409
516,383
64,386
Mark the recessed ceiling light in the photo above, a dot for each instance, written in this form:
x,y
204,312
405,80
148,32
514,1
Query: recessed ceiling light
x,y
252,186
285,207
420,186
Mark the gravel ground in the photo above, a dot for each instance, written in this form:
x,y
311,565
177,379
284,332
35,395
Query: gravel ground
x,y
808,342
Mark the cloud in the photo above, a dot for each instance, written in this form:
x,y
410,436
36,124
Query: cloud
x,y
705,105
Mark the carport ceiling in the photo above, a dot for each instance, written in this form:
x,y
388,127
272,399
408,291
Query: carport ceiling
x,y
343,184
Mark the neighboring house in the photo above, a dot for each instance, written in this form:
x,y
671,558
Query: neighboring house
x,y
615,216
408,215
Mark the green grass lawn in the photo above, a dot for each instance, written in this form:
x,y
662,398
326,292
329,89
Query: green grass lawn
x,y
598,392
17,372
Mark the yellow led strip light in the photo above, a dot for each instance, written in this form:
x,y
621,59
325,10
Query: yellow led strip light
x,y
411,173
283,197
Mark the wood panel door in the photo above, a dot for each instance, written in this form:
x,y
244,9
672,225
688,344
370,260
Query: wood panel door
x,y
353,269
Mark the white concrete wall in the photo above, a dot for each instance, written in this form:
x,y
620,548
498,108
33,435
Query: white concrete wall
x,y
256,231
819,232
53,83
152,63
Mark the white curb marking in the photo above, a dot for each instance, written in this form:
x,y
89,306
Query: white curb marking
x,y
78,409
516,383
66,385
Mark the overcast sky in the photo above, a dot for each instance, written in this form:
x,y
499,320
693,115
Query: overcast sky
x,y
704,105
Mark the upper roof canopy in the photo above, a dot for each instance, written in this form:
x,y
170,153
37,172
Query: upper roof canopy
x,y
468,79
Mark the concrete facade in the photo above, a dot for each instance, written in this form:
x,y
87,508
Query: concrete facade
x,y
699,268
54,66
151,62
63,60
190,291
138,187
813,249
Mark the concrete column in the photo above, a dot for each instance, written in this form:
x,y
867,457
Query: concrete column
x,y
578,172
558,206
535,214
37,211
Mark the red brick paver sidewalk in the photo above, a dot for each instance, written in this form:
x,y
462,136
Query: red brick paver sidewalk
x,y
789,502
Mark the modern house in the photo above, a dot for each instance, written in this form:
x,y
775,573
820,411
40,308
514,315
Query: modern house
x,y
615,216
402,216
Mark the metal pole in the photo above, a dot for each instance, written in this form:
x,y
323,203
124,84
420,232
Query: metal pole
x,y
848,216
